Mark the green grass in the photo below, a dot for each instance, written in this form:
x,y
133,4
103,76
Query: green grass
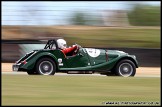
x,y
77,90
143,38
133,37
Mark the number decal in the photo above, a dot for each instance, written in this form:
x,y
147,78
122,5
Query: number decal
x,y
60,62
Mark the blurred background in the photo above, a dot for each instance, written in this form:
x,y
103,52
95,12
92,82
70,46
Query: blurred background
x,y
129,26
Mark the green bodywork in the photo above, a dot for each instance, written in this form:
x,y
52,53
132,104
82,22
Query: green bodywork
x,y
105,60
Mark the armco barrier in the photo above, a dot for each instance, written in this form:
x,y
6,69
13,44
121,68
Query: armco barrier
x,y
145,57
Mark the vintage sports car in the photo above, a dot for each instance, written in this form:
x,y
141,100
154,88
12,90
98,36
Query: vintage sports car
x,y
51,59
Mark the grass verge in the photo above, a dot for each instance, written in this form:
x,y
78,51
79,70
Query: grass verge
x,y
78,90
133,37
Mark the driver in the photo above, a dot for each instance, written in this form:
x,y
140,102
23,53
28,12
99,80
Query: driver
x,y
67,51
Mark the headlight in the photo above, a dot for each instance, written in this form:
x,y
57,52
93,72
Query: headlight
x,y
120,51
134,56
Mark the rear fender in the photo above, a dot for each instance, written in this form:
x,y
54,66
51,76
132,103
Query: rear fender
x,y
32,61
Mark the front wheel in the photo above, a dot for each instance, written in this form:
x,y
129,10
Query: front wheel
x,y
125,68
46,66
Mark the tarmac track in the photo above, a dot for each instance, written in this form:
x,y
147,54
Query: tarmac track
x,y
140,72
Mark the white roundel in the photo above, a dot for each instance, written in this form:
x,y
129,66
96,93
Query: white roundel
x,y
93,52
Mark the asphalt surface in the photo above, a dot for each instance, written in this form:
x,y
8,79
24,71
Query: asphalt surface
x,y
140,72
64,74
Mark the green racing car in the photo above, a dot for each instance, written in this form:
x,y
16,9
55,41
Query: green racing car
x,y
51,60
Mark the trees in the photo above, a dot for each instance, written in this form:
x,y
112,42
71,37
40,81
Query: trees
x,y
78,18
144,15
84,18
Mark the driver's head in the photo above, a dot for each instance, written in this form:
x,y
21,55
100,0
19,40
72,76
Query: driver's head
x,y
61,43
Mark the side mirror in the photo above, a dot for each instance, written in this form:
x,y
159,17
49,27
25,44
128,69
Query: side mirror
x,y
80,54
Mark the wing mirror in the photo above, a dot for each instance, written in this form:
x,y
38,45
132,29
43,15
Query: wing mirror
x,y
80,54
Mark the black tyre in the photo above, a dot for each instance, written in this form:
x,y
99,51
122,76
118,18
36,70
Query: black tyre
x,y
125,68
46,66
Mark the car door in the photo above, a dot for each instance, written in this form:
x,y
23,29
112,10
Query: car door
x,y
79,60
96,56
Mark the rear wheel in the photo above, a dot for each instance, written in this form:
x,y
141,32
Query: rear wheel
x,y
46,66
125,68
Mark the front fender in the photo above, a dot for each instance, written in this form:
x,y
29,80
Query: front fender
x,y
112,63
